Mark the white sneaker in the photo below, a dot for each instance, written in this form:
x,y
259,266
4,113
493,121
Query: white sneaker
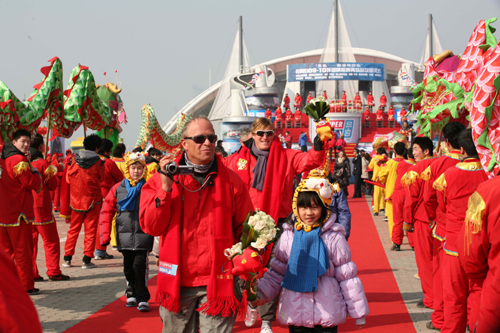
x,y
251,317
131,302
266,328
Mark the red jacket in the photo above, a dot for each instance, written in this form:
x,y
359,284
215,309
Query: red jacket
x,y
85,173
340,142
17,311
434,204
43,201
112,175
478,248
414,201
16,183
400,171
297,162
458,184
158,208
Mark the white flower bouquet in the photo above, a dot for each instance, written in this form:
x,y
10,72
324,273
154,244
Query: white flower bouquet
x,y
259,230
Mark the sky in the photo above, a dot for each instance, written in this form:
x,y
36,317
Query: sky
x,y
163,50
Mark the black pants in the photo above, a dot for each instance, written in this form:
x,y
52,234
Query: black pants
x,y
303,148
136,270
357,185
316,329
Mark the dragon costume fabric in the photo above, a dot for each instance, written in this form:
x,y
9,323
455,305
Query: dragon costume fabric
x,y
151,132
65,110
465,89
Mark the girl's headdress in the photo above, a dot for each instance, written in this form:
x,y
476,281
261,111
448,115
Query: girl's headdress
x,y
132,158
315,182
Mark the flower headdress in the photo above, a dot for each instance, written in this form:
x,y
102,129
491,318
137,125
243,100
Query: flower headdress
x,y
131,158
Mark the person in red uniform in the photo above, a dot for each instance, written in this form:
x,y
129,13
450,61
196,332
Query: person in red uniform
x,y
366,117
457,184
383,100
380,117
288,116
288,140
357,101
286,102
370,99
298,101
85,174
17,311
477,246
309,98
391,113
325,95
196,219
344,101
278,115
112,176
56,162
402,114
17,179
65,198
436,212
44,223
297,116
415,217
269,113
398,203
268,171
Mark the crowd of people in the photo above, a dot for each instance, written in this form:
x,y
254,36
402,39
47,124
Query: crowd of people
x,y
440,200
136,204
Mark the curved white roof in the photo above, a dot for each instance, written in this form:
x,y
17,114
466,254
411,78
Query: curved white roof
x,y
208,95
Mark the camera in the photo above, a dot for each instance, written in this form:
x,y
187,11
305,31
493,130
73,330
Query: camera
x,y
174,169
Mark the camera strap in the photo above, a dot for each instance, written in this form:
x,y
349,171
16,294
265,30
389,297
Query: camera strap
x,y
201,187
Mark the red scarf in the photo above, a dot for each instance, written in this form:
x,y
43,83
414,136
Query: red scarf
x,y
270,199
220,289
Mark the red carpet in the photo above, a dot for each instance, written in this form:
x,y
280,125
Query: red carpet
x,y
387,310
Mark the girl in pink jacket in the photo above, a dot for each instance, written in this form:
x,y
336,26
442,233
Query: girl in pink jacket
x,y
312,268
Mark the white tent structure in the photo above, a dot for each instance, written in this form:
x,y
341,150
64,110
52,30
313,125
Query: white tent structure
x,y
432,43
239,62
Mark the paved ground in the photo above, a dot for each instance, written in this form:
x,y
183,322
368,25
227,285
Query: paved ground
x,y
63,304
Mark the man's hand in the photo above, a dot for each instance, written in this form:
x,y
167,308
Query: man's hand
x,y
28,155
166,182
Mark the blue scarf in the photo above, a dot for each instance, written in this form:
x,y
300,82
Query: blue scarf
x,y
308,261
132,191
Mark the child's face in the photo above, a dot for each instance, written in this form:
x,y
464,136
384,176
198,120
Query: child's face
x,y
136,170
310,215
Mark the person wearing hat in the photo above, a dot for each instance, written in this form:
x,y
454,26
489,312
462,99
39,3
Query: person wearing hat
x,y
44,223
312,265
309,98
383,100
131,240
286,102
370,99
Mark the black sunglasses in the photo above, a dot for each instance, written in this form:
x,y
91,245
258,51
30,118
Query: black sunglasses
x,y
199,139
266,133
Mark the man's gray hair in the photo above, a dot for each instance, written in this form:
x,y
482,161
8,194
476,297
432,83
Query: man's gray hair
x,y
185,129
244,132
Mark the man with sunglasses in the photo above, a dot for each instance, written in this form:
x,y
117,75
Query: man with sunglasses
x,y
196,216
268,171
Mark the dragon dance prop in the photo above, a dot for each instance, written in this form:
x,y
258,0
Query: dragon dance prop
x,y
151,131
388,141
65,110
465,89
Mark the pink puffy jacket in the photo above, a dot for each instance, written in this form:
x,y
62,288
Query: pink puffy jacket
x,y
340,291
